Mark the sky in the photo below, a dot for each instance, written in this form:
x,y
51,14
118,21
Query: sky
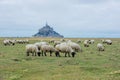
x,y
70,18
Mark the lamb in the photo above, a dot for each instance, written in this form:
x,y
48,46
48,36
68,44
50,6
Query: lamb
x,y
100,47
31,48
64,48
47,48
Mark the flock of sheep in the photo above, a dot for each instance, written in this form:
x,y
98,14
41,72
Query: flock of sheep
x,y
13,42
68,47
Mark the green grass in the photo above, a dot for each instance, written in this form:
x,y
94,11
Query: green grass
x,y
88,65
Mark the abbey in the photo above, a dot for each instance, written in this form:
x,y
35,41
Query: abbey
x,y
47,31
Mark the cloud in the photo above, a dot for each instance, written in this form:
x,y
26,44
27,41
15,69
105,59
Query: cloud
x,y
65,16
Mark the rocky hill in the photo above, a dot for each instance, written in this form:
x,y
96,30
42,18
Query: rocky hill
x,y
47,31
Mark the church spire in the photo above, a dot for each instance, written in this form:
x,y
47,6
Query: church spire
x,y
46,24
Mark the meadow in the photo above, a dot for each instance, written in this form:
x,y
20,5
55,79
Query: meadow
x,y
87,65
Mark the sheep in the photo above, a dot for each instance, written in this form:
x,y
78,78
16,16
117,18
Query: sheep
x,y
76,47
22,41
62,40
86,43
56,42
6,42
39,44
51,41
64,48
26,41
31,48
47,48
100,47
12,42
91,41
109,42
79,41
103,41
19,41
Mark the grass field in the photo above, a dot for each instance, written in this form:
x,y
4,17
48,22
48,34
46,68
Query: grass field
x,y
88,65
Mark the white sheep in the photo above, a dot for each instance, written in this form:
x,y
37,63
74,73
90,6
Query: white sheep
x,y
6,42
12,42
86,44
64,48
109,42
47,48
76,47
56,42
92,41
103,41
31,48
39,44
51,41
100,47
79,41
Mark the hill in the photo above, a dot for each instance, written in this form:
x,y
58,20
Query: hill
x,y
47,31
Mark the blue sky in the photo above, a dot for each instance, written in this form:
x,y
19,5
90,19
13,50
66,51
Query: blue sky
x,y
71,18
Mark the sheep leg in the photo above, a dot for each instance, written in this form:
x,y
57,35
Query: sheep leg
x,y
50,53
69,54
57,54
42,53
65,54
73,54
45,53
27,53
35,54
32,54
38,53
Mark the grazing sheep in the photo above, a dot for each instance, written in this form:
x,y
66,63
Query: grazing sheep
x,y
76,47
6,42
62,40
12,42
100,47
103,41
22,41
39,44
31,48
64,48
91,41
51,41
47,48
26,41
109,42
86,43
79,41
19,41
56,42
